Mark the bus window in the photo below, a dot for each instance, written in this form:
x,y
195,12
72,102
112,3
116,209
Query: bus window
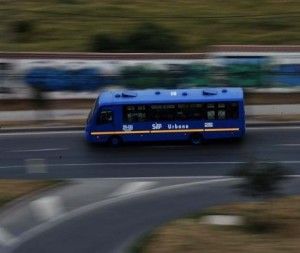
x,y
216,111
134,113
105,117
221,111
182,112
210,111
162,112
189,112
195,111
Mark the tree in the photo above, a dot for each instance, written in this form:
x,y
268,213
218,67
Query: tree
x,y
151,37
260,180
23,30
105,43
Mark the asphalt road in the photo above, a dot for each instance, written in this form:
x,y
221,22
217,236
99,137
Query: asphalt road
x,y
114,227
66,155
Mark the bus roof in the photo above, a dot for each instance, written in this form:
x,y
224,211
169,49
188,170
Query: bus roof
x,y
155,96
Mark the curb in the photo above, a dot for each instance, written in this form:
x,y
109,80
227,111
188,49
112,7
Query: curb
x,y
273,124
40,129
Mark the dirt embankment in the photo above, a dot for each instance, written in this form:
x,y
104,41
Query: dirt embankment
x,y
267,98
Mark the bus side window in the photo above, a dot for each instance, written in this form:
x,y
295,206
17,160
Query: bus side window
x,y
221,111
134,113
105,117
210,111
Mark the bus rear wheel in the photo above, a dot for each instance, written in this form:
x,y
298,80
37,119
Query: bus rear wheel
x,y
115,141
196,139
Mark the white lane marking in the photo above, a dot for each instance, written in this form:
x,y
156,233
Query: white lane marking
x,y
169,163
132,187
35,166
153,163
293,176
289,145
143,163
36,150
144,178
47,208
95,179
6,238
12,167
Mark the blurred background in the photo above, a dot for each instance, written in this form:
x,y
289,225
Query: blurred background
x,y
73,49
56,56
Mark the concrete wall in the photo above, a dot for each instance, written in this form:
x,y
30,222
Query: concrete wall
x,y
248,70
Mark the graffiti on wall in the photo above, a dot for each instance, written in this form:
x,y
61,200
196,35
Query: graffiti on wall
x,y
239,71
287,75
138,76
54,79
246,71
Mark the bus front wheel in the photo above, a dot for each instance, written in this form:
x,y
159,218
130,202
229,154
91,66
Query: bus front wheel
x,y
115,141
196,139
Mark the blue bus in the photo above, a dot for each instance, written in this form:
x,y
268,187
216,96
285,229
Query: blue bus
x,y
164,115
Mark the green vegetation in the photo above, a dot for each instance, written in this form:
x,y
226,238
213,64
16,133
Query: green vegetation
x,y
191,235
73,25
260,180
147,37
275,221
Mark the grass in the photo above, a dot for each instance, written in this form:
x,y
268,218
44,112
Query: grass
x,y
14,189
189,235
68,25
